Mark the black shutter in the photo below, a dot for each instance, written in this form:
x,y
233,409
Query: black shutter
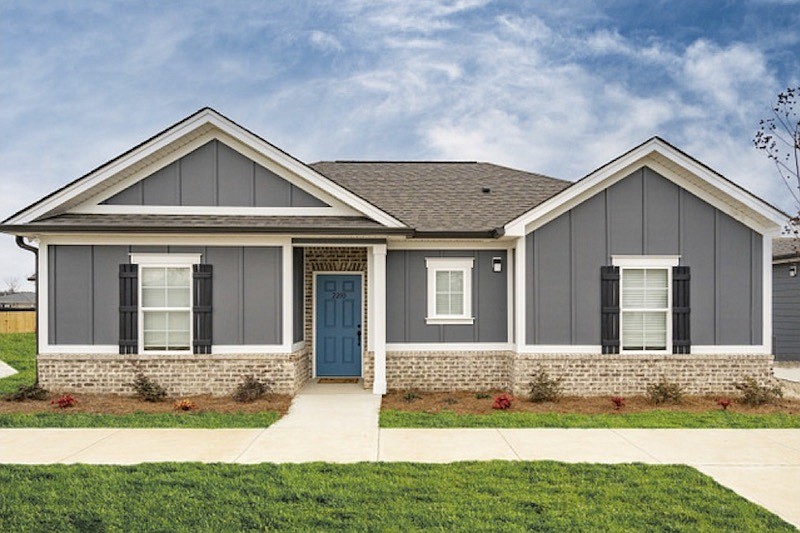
x,y
201,312
609,309
128,308
681,335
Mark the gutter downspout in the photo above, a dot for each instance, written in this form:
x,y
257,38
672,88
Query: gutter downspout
x,y
35,251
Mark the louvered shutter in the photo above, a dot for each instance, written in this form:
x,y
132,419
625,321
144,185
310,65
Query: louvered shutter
x,y
128,308
201,310
681,334
609,309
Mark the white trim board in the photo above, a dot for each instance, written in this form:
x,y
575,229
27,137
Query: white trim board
x,y
449,347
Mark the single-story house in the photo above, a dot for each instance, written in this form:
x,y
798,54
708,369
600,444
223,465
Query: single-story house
x,y
206,254
786,299
24,300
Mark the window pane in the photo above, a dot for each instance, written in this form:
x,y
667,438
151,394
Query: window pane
x,y
442,304
456,281
655,331
153,297
155,340
153,277
645,288
178,297
456,304
178,320
178,277
633,330
442,281
178,340
155,320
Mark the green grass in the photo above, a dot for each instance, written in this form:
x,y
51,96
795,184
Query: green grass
x,y
489,496
650,419
19,351
209,420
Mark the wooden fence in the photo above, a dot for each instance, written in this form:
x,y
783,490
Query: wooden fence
x,y
17,321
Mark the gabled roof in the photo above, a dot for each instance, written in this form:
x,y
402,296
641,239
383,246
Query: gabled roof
x,y
673,164
444,196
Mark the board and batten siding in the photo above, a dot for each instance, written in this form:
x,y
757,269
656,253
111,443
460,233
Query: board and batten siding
x,y
215,175
83,300
785,313
407,299
643,214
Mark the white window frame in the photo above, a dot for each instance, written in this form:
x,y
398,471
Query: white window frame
x,y
438,264
186,261
647,262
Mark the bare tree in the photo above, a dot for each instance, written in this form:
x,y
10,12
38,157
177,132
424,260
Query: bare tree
x,y
12,284
779,138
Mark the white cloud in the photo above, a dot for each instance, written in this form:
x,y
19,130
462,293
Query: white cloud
x,y
325,41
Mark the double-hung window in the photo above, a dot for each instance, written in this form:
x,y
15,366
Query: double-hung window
x,y
165,301
449,290
645,310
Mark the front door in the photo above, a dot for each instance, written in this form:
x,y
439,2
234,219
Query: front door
x,y
338,331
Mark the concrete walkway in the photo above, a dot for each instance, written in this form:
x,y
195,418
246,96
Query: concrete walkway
x,y
339,423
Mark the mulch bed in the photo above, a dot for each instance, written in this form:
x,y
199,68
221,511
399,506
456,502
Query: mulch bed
x,y
468,403
111,404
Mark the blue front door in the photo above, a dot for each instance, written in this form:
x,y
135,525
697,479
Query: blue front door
x,y
338,335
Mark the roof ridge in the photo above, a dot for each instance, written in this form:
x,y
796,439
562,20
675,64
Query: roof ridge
x,y
404,161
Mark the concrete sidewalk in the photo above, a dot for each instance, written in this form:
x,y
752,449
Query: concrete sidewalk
x,y
340,424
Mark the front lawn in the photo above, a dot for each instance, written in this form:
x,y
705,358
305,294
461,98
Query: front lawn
x,y
491,496
19,351
204,420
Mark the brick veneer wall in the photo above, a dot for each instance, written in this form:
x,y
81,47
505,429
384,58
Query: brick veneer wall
x,y
179,374
446,371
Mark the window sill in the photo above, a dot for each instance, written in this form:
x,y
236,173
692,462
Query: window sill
x,y
442,320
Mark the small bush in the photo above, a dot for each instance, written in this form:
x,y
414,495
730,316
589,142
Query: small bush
x,y
64,402
184,405
410,396
451,400
482,395
618,401
147,389
28,392
544,388
665,392
503,402
250,390
754,393
724,403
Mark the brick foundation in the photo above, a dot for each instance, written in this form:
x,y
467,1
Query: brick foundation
x,y
179,374
446,371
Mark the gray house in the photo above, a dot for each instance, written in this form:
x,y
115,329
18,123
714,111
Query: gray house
x,y
786,299
205,254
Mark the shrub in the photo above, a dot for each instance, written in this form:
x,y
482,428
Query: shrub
x,y
28,392
665,392
410,396
184,405
250,390
618,401
65,401
451,400
724,403
503,402
544,388
147,389
753,393
482,395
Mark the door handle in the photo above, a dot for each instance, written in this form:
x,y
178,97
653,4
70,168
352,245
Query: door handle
x,y
358,332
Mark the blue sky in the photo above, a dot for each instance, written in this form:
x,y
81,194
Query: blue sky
x,y
552,87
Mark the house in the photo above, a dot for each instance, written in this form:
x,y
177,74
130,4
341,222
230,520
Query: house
x,y
18,300
205,254
786,299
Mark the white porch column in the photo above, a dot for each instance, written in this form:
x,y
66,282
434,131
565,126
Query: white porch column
x,y
377,316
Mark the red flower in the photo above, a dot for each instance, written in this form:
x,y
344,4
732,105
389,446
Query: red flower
x,y
724,403
65,401
618,401
503,402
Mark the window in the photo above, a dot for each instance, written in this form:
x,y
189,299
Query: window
x,y
645,313
449,290
165,301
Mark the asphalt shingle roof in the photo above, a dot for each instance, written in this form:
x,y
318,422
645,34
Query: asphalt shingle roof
x,y
784,248
444,196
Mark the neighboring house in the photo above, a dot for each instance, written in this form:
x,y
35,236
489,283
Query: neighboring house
x,y
18,300
206,254
786,299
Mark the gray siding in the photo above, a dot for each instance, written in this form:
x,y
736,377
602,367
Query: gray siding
x,y
299,295
407,299
785,314
643,214
84,292
215,175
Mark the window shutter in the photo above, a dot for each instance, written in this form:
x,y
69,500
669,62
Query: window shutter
x,y
681,337
201,311
128,308
609,309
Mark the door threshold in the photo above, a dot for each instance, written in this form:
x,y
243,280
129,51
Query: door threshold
x,y
324,381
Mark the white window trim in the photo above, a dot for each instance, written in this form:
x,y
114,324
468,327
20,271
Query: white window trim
x,y
652,262
165,261
464,264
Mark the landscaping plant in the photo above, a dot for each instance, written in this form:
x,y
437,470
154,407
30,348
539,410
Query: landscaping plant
x,y
184,405
250,390
665,392
753,393
410,396
503,402
64,401
724,403
147,389
544,388
482,395
618,401
28,392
